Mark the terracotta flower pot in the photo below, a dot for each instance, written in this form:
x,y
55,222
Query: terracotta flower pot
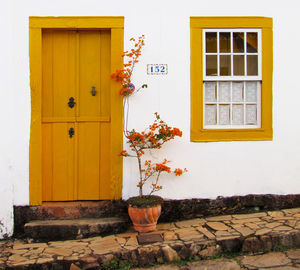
x,y
144,219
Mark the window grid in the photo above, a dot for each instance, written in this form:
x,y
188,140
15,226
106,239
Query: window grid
x,y
243,102
232,54
219,107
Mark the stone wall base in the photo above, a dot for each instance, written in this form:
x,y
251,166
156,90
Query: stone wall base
x,y
172,209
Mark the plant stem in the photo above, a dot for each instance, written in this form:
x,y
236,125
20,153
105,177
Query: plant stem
x,y
141,176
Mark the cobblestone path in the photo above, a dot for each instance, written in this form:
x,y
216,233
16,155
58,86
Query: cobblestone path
x,y
198,238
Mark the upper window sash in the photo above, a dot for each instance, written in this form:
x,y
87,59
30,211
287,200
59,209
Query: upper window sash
x,y
231,54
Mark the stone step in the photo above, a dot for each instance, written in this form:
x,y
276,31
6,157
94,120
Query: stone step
x,y
51,230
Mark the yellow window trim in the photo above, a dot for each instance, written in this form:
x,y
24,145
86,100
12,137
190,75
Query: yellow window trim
x,y
36,25
198,133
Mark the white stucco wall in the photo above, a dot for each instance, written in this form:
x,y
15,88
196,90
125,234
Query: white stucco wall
x,y
218,168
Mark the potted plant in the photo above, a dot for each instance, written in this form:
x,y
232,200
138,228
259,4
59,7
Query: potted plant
x,y
144,210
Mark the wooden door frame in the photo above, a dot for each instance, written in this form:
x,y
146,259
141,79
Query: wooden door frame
x,y
36,26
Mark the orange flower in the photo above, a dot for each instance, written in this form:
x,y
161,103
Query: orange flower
x,y
123,153
178,172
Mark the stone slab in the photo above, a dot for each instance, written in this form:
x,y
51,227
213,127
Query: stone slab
x,y
48,230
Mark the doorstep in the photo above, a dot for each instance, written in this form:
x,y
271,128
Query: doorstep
x,y
51,230
197,238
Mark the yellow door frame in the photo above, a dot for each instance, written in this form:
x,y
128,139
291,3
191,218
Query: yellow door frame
x,y
36,26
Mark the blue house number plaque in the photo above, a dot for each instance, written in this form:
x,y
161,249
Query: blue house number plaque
x,y
157,69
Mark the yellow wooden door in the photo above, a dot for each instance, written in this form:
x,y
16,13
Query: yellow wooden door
x,y
75,139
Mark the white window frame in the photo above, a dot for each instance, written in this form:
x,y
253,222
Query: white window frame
x,y
233,78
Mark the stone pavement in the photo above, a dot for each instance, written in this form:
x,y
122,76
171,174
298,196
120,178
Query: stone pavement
x,y
289,260
197,238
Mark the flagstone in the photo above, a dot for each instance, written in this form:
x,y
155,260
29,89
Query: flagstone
x,y
17,264
219,218
17,258
121,240
263,231
247,216
132,241
170,236
291,211
189,223
27,246
282,228
217,226
220,264
44,260
273,259
71,258
294,255
252,226
19,251
291,223
283,218
165,226
188,234
105,247
273,225
244,221
245,231
222,233
275,214
206,232
58,251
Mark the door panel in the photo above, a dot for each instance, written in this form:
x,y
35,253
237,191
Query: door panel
x,y
58,162
105,73
88,161
89,73
59,78
105,183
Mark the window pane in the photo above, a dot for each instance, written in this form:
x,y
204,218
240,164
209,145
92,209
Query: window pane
x,y
238,65
251,91
224,114
238,42
237,91
252,42
225,65
210,92
224,90
238,114
210,114
251,115
224,40
211,65
252,65
211,42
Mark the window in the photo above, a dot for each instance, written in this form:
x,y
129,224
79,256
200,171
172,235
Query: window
x,y
231,78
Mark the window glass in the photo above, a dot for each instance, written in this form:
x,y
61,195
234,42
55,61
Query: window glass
x,y
224,114
237,91
211,42
251,42
210,114
211,65
224,40
224,89
225,65
211,92
238,114
238,65
238,42
252,65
